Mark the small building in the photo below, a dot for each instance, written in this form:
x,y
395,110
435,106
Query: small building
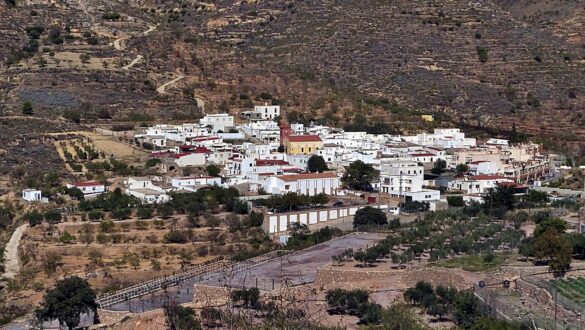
x,y
89,188
303,144
188,182
145,190
305,184
218,122
32,195
479,184
267,111
428,118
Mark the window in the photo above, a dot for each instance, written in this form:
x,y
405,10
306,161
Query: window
x,y
287,187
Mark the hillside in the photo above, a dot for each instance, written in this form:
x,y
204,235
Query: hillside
x,y
490,63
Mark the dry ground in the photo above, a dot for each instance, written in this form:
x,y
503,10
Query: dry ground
x,y
113,267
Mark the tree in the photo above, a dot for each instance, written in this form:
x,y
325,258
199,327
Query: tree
x,y
482,53
359,175
369,216
144,213
51,263
213,170
211,316
27,108
181,318
467,310
461,169
66,238
165,211
34,218
86,238
84,58
73,115
70,298
455,201
554,248
439,167
175,236
107,226
316,164
95,215
249,298
255,219
556,224
370,313
211,220
399,317
52,216
500,197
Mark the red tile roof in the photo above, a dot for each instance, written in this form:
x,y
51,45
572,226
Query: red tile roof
x,y
88,184
479,162
304,138
308,176
422,155
270,162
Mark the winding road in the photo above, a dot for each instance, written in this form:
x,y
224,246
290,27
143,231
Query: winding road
x,y
134,62
162,88
11,260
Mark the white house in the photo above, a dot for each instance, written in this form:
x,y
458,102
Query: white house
x,y
306,184
497,142
32,195
267,111
218,122
88,188
478,184
483,167
194,183
405,179
145,190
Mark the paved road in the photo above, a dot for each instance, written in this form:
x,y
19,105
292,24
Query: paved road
x,y
11,260
301,267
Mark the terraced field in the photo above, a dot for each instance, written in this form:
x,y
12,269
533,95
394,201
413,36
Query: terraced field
x,y
572,288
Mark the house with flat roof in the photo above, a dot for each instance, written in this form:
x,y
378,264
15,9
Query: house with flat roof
x,y
306,184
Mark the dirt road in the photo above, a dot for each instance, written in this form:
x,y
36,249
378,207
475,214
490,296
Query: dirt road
x,y
134,62
11,262
162,88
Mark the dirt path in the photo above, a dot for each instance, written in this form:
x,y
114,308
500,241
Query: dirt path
x,y
134,62
12,263
162,88
118,43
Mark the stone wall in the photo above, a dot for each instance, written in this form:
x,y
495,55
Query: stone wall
x,y
204,295
400,278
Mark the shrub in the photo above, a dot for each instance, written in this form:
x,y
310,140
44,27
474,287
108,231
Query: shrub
x,y
482,53
95,215
175,236
66,238
455,201
111,15
369,216
52,216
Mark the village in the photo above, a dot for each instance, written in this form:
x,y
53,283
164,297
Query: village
x,y
191,213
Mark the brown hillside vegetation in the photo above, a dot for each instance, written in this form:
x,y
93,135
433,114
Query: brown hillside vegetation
x,y
488,63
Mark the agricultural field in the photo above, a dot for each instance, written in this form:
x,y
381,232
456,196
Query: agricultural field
x,y
572,288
